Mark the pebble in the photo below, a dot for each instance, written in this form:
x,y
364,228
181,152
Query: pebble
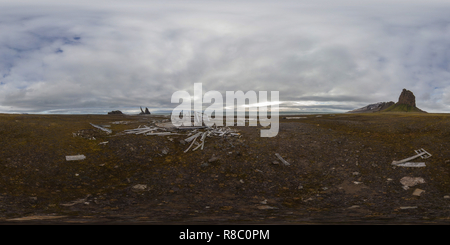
x,y
417,192
213,159
410,207
411,181
139,187
266,207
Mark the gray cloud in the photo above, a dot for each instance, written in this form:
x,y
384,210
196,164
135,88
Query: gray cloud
x,y
331,55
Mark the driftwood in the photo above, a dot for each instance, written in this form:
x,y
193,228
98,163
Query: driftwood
x,y
75,157
162,133
139,130
102,128
282,160
294,117
192,135
191,128
193,140
412,164
419,153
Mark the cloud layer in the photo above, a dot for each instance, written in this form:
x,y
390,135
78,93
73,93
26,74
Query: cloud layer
x,y
331,55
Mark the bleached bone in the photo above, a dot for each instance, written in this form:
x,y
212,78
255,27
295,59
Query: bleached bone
x,y
282,160
419,153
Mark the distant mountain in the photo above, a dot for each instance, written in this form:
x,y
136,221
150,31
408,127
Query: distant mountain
x,y
373,107
406,103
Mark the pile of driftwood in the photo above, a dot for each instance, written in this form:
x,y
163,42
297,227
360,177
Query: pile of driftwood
x,y
196,134
193,133
209,132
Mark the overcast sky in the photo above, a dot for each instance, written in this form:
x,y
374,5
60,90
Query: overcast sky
x,y
329,55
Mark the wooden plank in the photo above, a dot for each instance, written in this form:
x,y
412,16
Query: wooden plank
x,y
75,158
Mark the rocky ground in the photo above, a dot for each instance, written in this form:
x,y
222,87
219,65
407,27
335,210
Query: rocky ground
x,y
340,172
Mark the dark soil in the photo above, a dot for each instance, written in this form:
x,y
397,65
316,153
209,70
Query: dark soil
x,y
340,172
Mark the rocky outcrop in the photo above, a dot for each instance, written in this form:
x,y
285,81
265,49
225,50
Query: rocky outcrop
x,y
407,98
115,113
373,107
406,103
147,112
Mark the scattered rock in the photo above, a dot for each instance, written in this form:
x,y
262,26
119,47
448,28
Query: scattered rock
x,y
351,187
139,187
411,181
354,206
213,159
409,207
78,201
309,199
265,207
417,192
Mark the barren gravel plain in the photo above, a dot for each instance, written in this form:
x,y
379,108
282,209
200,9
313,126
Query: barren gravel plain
x,y
340,172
